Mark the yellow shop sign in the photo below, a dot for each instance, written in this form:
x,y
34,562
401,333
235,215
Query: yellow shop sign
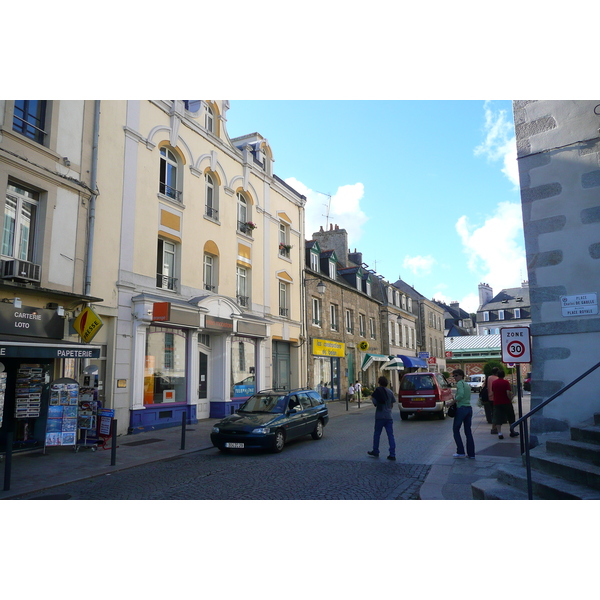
x,y
328,348
87,324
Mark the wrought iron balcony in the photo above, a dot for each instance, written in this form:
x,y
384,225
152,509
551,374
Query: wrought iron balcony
x,y
164,282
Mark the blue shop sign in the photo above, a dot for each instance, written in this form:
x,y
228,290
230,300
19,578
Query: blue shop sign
x,y
243,390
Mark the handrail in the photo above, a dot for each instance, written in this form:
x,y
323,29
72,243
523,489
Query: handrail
x,y
522,421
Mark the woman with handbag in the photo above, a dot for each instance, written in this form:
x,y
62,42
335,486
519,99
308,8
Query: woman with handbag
x,y
464,416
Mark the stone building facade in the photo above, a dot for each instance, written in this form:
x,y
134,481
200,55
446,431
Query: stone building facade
x,y
558,147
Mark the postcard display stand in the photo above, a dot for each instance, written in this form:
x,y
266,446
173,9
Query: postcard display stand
x,y
28,399
63,404
2,392
89,405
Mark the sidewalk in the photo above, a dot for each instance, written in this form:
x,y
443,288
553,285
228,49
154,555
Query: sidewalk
x,y
449,478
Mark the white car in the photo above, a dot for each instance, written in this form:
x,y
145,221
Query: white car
x,y
476,382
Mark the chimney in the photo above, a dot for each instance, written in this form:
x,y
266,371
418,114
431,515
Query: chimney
x,y
485,294
336,240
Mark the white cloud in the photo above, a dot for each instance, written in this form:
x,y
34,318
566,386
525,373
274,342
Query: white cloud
x,y
499,143
419,265
495,249
344,209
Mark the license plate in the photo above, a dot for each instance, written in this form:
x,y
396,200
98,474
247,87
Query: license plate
x,y
233,445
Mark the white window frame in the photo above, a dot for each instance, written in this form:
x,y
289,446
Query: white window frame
x,y
372,331
242,287
333,317
361,325
517,313
349,321
316,312
486,316
210,272
211,205
209,119
332,271
283,299
20,241
501,314
314,261
167,263
169,160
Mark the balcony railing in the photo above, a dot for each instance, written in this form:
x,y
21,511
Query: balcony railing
x,y
283,312
245,228
164,282
212,213
170,192
316,322
210,288
243,301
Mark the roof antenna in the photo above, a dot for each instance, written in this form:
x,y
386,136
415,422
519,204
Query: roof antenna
x,y
328,205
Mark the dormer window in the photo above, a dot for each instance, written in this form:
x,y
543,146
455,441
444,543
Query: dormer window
x,y
331,270
209,119
501,315
314,261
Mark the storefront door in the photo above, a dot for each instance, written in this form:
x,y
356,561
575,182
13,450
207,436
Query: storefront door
x,y
281,366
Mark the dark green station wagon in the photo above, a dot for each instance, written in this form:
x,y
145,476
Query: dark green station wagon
x,y
271,418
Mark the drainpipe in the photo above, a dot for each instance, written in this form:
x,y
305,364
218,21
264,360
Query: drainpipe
x,y
93,185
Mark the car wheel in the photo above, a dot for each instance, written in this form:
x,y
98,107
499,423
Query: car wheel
x,y
442,414
404,416
279,441
317,434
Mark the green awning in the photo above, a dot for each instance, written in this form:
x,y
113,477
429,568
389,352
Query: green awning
x,y
370,358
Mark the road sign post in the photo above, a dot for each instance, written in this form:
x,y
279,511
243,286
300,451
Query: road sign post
x,y
516,349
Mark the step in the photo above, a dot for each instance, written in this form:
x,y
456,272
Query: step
x,y
589,453
586,433
544,486
570,469
492,489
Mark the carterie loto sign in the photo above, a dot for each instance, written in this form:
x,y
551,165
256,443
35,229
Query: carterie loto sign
x,y
87,324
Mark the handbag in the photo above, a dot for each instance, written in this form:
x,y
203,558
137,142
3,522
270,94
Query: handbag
x,y
452,411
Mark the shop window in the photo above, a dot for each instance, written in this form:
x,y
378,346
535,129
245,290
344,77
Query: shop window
x,y
243,366
166,263
29,119
212,198
20,211
165,374
170,175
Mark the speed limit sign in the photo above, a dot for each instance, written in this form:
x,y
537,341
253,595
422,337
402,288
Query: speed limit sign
x,y
516,344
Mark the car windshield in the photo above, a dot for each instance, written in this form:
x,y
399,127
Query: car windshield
x,y
418,382
473,378
264,403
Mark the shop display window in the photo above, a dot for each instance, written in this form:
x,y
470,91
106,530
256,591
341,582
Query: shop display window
x,y
243,367
164,373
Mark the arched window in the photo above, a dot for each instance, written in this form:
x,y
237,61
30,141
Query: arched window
x,y
169,175
245,225
212,198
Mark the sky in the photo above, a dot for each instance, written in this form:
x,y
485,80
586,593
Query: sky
x,y
427,190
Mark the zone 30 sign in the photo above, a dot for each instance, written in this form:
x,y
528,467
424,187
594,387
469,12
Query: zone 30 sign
x,y
516,344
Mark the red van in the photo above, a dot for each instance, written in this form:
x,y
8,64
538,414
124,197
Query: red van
x,y
423,392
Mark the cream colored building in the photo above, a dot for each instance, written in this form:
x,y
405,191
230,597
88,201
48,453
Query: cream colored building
x,y
197,253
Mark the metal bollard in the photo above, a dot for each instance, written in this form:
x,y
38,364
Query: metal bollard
x,y
346,401
183,422
8,459
113,448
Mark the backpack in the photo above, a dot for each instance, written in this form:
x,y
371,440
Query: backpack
x,y
483,394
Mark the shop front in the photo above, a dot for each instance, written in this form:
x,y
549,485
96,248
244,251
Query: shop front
x,y
29,367
326,357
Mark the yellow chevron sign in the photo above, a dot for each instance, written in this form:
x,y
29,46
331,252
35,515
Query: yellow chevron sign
x,y
87,324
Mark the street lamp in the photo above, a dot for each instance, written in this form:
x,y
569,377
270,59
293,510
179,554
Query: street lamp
x,y
320,286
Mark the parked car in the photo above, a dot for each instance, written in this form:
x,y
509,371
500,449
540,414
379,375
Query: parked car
x,y
423,393
271,418
475,382
527,382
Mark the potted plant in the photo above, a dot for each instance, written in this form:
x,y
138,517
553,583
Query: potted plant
x,y
250,225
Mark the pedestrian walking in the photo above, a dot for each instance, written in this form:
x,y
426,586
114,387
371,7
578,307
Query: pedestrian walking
x,y
358,390
489,383
464,416
383,399
503,408
351,393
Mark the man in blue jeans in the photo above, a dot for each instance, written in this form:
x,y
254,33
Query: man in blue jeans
x,y
383,399
464,416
